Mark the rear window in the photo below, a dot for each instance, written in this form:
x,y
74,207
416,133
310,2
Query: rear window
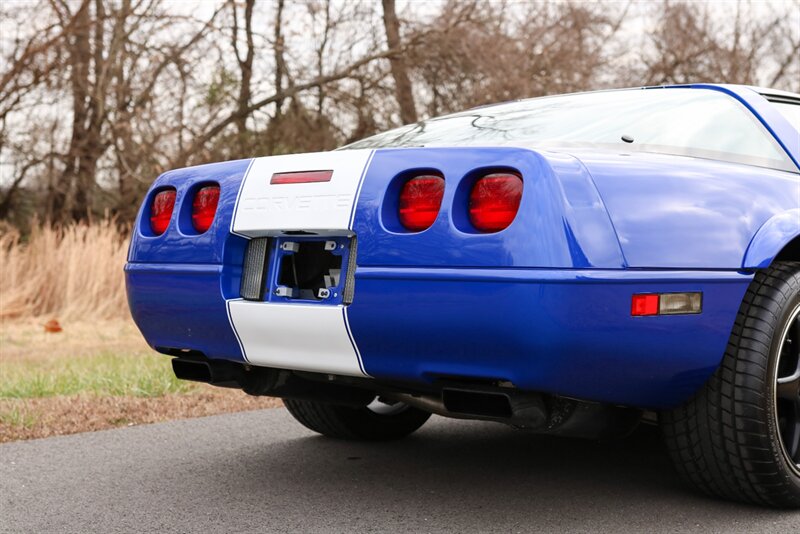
x,y
680,121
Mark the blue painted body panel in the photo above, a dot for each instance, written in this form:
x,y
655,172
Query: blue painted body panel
x,y
687,213
561,221
178,282
771,238
181,306
181,243
565,331
545,303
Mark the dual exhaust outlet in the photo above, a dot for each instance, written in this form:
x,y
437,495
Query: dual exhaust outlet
x,y
519,409
548,414
525,410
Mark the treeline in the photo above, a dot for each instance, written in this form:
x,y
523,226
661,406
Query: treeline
x,y
97,97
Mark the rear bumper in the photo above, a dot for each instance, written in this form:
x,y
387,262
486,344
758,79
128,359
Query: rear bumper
x,y
567,332
183,306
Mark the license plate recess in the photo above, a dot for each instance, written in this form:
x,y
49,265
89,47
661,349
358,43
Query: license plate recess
x,y
309,270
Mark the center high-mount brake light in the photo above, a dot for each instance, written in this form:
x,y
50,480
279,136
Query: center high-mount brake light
x,y
420,200
161,210
301,177
204,207
494,201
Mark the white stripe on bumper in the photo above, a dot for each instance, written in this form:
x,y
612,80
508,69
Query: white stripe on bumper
x,y
295,336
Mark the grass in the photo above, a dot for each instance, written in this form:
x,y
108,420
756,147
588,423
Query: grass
x,y
96,372
134,374
16,416
102,358
95,375
70,272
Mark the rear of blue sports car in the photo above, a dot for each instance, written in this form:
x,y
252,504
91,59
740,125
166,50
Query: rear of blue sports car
x,y
563,266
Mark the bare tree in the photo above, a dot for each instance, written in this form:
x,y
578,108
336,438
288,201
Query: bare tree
x,y
691,44
278,49
97,97
245,63
492,53
403,89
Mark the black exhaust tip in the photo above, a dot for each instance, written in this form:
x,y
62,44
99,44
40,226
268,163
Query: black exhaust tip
x,y
215,372
477,403
196,371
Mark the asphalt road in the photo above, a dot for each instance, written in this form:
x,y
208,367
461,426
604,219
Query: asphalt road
x,y
262,472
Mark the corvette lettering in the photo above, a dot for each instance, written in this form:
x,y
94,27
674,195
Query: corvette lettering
x,y
298,203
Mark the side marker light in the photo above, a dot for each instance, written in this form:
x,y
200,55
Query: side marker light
x,y
647,304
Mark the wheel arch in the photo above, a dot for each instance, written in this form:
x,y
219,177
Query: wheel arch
x,y
778,239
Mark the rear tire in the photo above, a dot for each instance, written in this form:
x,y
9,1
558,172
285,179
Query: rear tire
x,y
738,437
386,422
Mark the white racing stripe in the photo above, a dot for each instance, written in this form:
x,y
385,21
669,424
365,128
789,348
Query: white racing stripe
x,y
304,337
325,208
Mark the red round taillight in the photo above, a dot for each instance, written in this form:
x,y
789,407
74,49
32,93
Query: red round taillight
x,y
204,207
420,200
161,210
494,201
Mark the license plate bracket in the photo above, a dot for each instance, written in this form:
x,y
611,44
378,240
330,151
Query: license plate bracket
x,y
311,270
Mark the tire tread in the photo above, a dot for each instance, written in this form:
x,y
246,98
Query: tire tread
x,y
719,440
349,423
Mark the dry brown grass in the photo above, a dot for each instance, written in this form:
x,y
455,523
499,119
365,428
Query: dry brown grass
x,y
26,341
104,358
56,416
73,272
95,371
95,375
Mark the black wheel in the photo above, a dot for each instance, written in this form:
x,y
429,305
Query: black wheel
x,y
378,421
739,437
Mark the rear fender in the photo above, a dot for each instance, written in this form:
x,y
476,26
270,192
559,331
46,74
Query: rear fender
x,y
771,238
562,221
181,243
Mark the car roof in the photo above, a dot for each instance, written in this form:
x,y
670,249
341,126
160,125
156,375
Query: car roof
x,y
777,93
763,91
767,92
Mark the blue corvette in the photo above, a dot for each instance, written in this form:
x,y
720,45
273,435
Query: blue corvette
x,y
570,265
